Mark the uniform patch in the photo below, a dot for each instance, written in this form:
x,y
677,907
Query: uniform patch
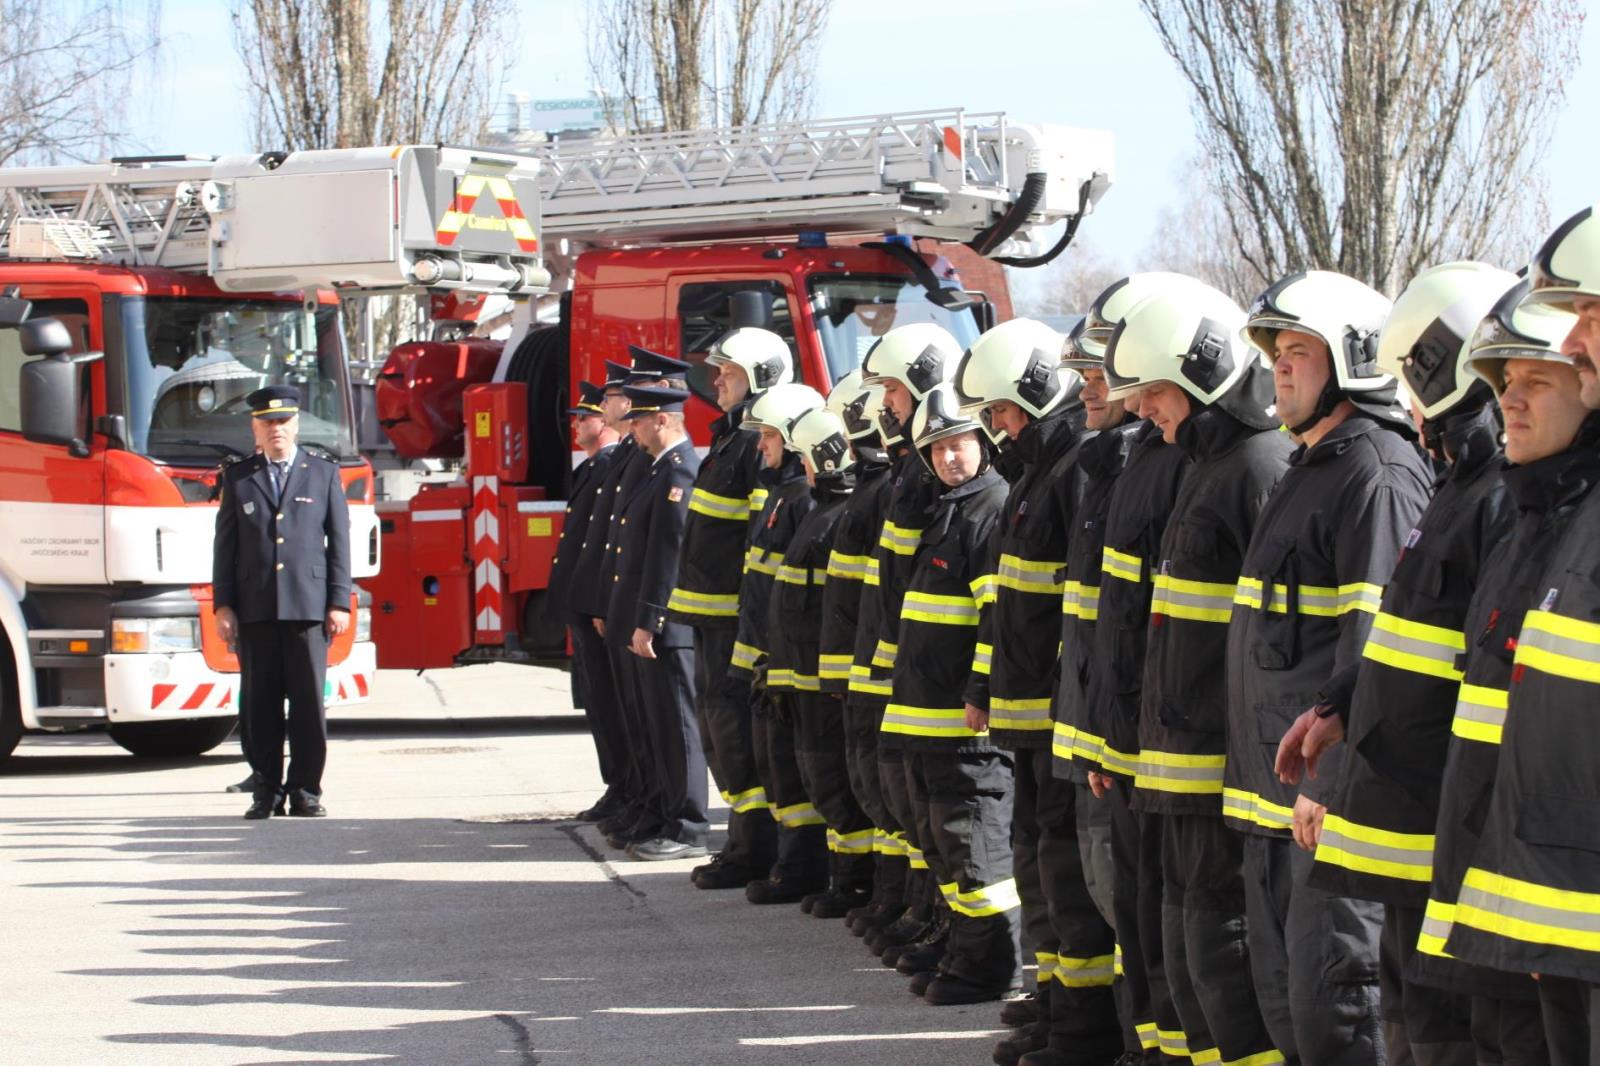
x,y
1413,537
940,563
1549,600
249,507
304,499
674,494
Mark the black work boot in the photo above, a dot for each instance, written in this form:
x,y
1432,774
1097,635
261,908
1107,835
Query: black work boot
x,y
722,872
264,803
925,954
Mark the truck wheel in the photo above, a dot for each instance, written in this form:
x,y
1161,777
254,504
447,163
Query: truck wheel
x,y
173,740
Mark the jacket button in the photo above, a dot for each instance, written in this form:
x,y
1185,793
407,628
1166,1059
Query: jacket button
x,y
280,566
280,516
280,540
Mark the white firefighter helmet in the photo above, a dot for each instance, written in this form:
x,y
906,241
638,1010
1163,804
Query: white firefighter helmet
x,y
940,415
1187,336
1567,267
1516,329
760,353
1426,340
857,404
778,407
820,438
919,356
1020,361
1338,310
1091,336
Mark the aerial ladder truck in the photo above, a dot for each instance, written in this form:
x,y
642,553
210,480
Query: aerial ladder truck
x,y
140,301
829,232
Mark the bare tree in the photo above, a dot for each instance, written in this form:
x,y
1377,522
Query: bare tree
x,y
65,74
1069,284
680,64
1373,137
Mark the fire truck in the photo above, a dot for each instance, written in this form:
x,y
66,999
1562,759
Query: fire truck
x,y
143,299
828,232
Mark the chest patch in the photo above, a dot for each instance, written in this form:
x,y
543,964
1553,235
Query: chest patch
x,y
249,507
674,494
1549,600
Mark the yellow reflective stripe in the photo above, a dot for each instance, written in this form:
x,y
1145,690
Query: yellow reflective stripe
x,y
799,575
1194,601
745,656
1560,646
1244,806
1122,565
1081,601
985,901
862,681
1209,1057
1047,965
857,843
939,610
1122,762
985,589
1087,746
1027,575
892,844
872,573
1529,912
847,567
711,604
1146,1032
797,815
713,506
1364,849
1480,714
1414,646
782,678
1096,971
1320,600
1116,953
915,858
758,500
1173,1042
746,801
883,655
1062,737
927,721
899,539
1029,714
833,667
1162,771
1437,922
762,561
1260,1058
982,658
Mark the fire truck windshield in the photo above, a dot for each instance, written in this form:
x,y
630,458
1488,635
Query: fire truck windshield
x,y
853,312
192,361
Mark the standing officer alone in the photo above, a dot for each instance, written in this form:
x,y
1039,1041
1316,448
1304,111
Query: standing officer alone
x,y
281,588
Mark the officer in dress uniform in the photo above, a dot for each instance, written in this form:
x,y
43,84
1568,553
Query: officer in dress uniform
x,y
281,589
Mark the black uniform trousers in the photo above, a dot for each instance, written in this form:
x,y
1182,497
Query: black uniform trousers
x,y
641,790
592,677
1315,959
1136,902
862,718
1571,1013
897,784
961,807
1203,939
281,661
722,705
672,738
825,775
802,851
1422,1025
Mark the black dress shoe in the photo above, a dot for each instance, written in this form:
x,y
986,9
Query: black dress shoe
x,y
265,805
603,808
305,804
249,784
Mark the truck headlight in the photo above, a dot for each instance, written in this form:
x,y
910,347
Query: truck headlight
x,y
155,634
363,623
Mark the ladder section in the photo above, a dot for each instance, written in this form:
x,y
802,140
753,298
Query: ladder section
x,y
942,174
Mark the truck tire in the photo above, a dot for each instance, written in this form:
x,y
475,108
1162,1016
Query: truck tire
x,y
10,703
540,363
173,740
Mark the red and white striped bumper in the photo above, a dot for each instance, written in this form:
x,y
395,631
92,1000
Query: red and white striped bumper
x,y
154,688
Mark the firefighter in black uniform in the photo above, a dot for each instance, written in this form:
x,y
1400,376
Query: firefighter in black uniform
x,y
748,361
649,534
1377,837
1209,394
1311,583
596,435
801,864
1528,900
795,624
281,590
960,782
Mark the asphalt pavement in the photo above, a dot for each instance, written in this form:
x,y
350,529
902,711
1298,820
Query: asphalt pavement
x,y
448,912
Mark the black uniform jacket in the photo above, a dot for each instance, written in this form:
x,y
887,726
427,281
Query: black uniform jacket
x,y
788,501
1311,584
938,631
649,531
586,481
795,615
1377,838
282,559
590,593
1183,716
842,597
1020,628
1136,517
1530,896
724,497
1077,745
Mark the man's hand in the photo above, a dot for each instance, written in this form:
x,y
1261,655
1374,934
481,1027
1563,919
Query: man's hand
x,y
977,720
228,627
1100,783
643,644
1304,745
338,621
599,625
1308,814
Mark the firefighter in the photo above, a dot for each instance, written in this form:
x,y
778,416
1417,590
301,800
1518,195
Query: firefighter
x,y
844,600
1013,379
800,866
960,781
596,434
1377,837
908,363
1528,900
649,536
747,361
796,624
1208,393
1323,548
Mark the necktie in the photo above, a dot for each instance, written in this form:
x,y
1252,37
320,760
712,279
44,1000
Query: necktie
x,y
280,474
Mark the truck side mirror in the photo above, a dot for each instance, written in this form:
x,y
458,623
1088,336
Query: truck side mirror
x,y
983,312
750,307
48,388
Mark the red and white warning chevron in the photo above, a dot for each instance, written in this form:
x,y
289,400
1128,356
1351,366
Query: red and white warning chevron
x,y
487,603
208,696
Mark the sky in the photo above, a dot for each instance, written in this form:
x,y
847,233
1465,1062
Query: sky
x,y
1093,63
